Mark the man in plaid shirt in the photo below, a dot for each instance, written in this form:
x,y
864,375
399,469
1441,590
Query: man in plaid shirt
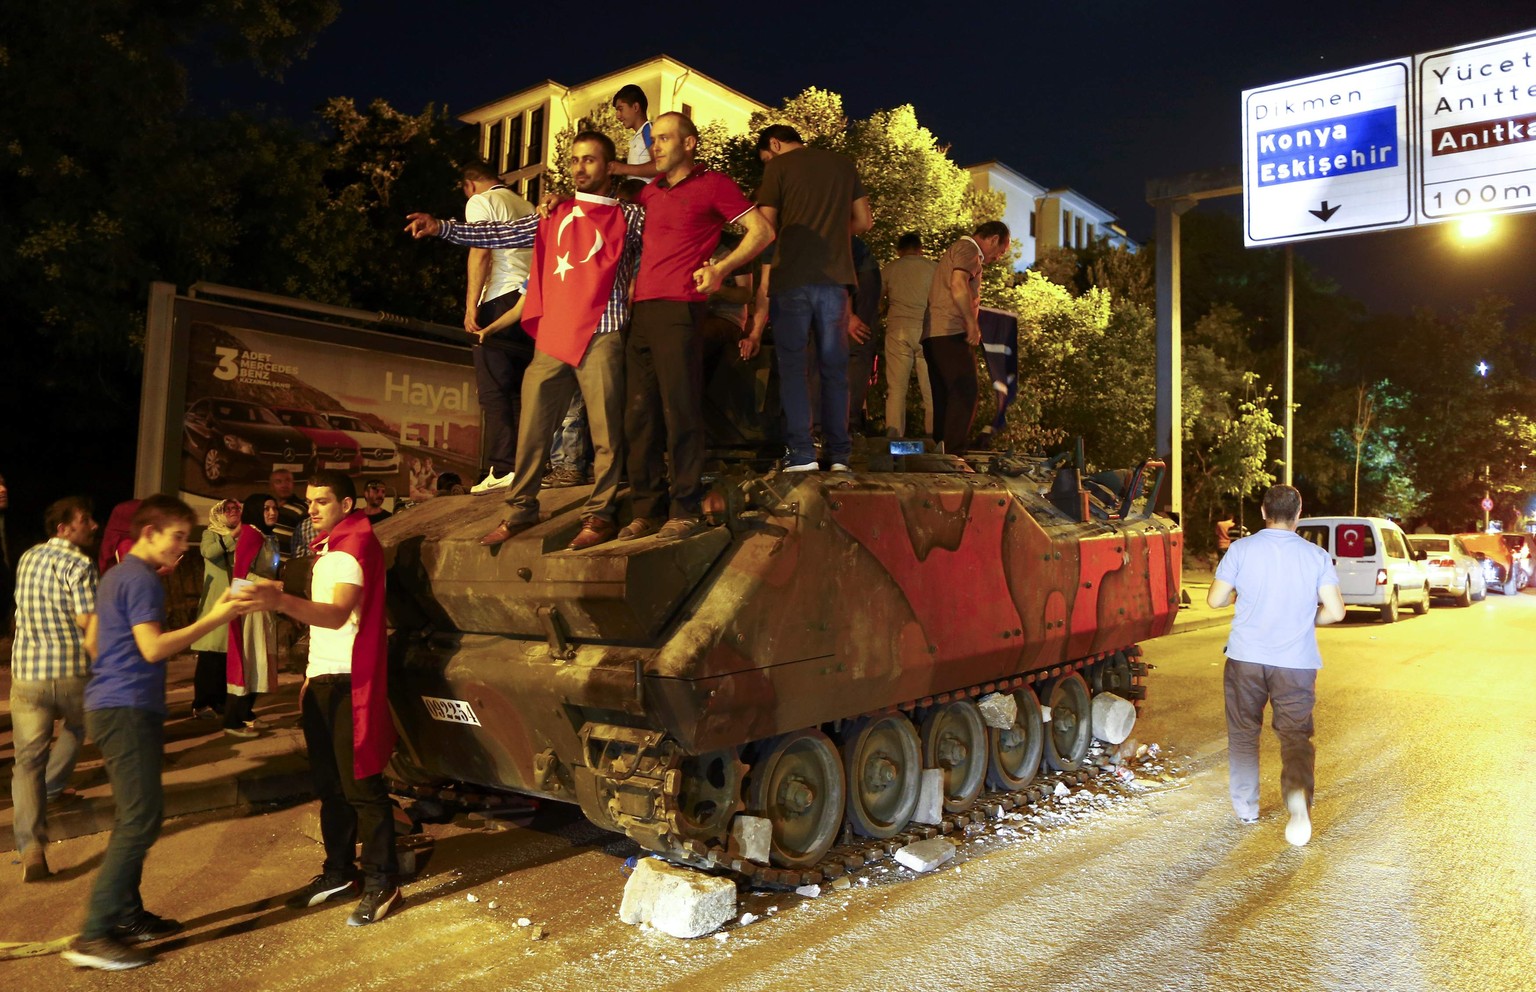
x,y
55,597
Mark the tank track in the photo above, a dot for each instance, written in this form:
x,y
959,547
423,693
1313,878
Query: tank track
x,y
852,852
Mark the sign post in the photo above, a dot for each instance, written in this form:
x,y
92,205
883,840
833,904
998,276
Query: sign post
x,y
1327,155
1477,128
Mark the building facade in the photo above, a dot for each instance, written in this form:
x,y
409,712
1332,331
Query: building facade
x,y
1040,218
517,132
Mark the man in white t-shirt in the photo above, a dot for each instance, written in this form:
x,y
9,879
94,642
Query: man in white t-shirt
x,y
632,106
492,309
1285,587
344,707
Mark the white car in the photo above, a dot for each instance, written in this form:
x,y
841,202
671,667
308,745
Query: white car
x,y
1375,566
379,452
1454,571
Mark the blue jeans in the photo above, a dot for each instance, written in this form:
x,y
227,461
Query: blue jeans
x,y
570,447
132,743
801,316
43,770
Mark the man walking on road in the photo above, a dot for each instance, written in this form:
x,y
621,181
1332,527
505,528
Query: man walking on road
x,y
1285,587
55,597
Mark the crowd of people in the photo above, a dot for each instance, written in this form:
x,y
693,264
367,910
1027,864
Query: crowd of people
x,y
611,304
88,657
594,318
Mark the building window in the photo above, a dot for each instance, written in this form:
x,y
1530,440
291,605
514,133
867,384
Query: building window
x,y
515,158
688,111
1031,223
1077,234
532,192
535,136
493,147
1066,229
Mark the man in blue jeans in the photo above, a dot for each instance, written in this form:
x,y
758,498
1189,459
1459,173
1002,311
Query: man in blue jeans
x,y
125,717
813,197
1285,587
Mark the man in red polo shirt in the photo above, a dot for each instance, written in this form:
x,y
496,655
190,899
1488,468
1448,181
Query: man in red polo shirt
x,y
685,210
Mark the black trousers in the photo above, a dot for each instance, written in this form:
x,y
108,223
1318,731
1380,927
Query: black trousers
x,y
499,368
952,372
663,412
349,807
209,680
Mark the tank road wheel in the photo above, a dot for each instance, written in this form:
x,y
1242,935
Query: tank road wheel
x,y
710,795
955,741
883,764
1113,674
1071,728
1015,753
797,783
1389,611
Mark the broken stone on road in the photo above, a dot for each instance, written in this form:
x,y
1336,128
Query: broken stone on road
x,y
677,901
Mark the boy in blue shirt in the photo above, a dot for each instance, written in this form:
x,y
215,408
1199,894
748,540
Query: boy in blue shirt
x,y
125,716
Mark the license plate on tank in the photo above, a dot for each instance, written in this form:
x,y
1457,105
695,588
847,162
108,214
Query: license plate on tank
x,y
451,710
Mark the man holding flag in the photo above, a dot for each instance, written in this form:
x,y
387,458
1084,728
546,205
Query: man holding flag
x,y
584,256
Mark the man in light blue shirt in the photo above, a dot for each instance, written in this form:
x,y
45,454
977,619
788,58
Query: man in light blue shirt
x,y
1285,587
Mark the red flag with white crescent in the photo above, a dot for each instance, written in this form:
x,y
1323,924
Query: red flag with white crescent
x,y
570,278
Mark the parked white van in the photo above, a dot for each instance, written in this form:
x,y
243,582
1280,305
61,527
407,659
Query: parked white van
x,y
1375,566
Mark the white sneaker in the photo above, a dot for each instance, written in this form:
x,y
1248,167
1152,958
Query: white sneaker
x,y
492,482
840,467
803,467
1299,830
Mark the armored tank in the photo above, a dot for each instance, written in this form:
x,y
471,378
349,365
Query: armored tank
x,y
803,660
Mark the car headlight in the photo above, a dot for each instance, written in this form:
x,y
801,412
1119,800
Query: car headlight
x,y
240,444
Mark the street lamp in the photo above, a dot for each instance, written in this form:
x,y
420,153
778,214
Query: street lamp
x,y
1474,227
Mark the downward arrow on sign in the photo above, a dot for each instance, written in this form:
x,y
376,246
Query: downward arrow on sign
x,y
1325,213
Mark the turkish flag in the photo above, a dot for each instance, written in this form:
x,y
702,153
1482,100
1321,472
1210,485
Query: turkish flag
x,y
575,261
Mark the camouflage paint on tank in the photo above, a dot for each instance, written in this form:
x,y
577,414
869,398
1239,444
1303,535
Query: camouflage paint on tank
x,y
827,597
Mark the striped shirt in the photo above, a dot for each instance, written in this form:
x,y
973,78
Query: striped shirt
x,y
55,582
520,234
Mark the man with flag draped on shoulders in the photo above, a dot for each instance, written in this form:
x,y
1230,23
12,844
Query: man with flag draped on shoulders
x,y
584,256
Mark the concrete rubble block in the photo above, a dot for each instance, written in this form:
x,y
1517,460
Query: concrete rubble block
x,y
753,836
930,797
1113,717
926,855
1045,714
998,710
677,901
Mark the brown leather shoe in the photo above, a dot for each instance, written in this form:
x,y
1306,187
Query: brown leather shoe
x,y
678,528
594,530
639,527
505,531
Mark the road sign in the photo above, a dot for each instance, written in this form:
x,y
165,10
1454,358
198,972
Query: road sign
x,y
1476,136
1487,504
1327,155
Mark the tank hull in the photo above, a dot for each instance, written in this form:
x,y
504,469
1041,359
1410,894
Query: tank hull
x,y
590,676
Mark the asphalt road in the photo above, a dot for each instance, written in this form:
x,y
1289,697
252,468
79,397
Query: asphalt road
x,y
1418,875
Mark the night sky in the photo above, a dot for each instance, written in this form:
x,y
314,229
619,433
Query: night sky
x,y
1098,101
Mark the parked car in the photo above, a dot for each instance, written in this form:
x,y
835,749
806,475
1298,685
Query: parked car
x,y
238,439
379,453
1500,566
1519,546
333,448
1375,566
1454,570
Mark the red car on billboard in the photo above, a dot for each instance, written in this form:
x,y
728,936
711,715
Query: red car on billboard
x,y
334,449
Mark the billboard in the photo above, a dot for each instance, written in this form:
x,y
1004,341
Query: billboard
x,y
234,392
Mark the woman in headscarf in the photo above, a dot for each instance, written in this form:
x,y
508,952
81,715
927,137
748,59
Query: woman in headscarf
x,y
218,549
252,648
